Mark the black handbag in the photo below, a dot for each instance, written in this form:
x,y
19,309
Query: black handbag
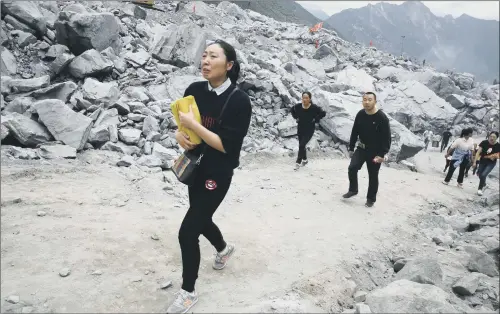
x,y
186,166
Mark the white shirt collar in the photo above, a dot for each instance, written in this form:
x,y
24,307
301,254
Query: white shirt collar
x,y
221,89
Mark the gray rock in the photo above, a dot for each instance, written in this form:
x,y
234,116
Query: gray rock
x,y
19,25
56,151
65,272
481,262
121,148
138,58
404,296
90,63
8,65
14,299
84,31
150,125
287,127
99,135
312,67
113,133
19,104
122,107
149,161
61,91
181,45
129,136
28,132
362,309
97,92
23,38
422,270
28,85
467,285
359,296
4,132
20,153
458,222
399,264
463,80
65,125
457,101
166,155
126,161
27,12
323,51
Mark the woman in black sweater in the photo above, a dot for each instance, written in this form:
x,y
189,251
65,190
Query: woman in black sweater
x,y
307,115
221,141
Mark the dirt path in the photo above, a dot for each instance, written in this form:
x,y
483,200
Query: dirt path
x,y
288,227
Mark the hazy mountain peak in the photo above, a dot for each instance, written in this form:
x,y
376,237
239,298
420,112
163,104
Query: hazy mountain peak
x,y
465,44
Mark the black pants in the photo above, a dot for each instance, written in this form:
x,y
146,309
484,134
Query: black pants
x,y
359,157
447,164
444,143
461,171
304,138
204,200
483,171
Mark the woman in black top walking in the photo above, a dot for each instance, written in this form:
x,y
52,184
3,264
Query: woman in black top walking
x,y
487,153
223,140
307,115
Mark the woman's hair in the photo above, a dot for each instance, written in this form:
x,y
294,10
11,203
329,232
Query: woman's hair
x,y
467,131
493,132
230,53
308,94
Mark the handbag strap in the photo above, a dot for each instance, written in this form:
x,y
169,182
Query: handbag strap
x,y
219,119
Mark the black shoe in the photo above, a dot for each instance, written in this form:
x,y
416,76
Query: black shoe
x,y
349,194
369,203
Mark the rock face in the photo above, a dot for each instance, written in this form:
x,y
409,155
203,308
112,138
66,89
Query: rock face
x,y
117,69
404,296
65,125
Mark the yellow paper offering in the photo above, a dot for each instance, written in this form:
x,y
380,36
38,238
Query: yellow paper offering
x,y
182,105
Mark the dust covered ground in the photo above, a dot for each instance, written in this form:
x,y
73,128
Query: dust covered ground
x,y
291,229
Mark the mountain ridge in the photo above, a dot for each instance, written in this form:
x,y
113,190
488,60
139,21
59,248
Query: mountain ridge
x,y
464,44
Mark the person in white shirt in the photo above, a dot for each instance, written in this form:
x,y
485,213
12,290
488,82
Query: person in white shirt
x,y
461,156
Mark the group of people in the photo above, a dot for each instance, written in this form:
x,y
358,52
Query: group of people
x,y
464,153
226,112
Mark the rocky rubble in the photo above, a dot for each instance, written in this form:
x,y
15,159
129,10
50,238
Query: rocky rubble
x,y
455,269
101,75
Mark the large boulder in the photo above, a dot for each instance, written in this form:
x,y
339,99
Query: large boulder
x,y
8,64
27,12
181,45
463,80
97,92
84,31
415,106
64,124
28,85
61,91
177,84
28,132
404,296
358,79
235,11
313,67
422,270
90,63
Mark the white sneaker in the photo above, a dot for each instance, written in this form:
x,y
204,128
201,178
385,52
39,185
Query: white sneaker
x,y
297,166
479,192
304,162
446,183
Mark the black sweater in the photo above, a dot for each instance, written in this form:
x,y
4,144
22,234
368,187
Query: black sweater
x,y
233,128
307,117
373,131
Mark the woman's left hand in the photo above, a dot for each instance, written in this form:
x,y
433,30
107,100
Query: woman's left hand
x,y
187,119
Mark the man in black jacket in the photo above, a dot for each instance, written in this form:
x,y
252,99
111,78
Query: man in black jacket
x,y
372,128
445,139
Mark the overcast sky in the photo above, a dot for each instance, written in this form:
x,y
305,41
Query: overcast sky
x,y
488,10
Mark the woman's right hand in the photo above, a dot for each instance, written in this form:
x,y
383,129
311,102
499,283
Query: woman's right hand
x,y
183,140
